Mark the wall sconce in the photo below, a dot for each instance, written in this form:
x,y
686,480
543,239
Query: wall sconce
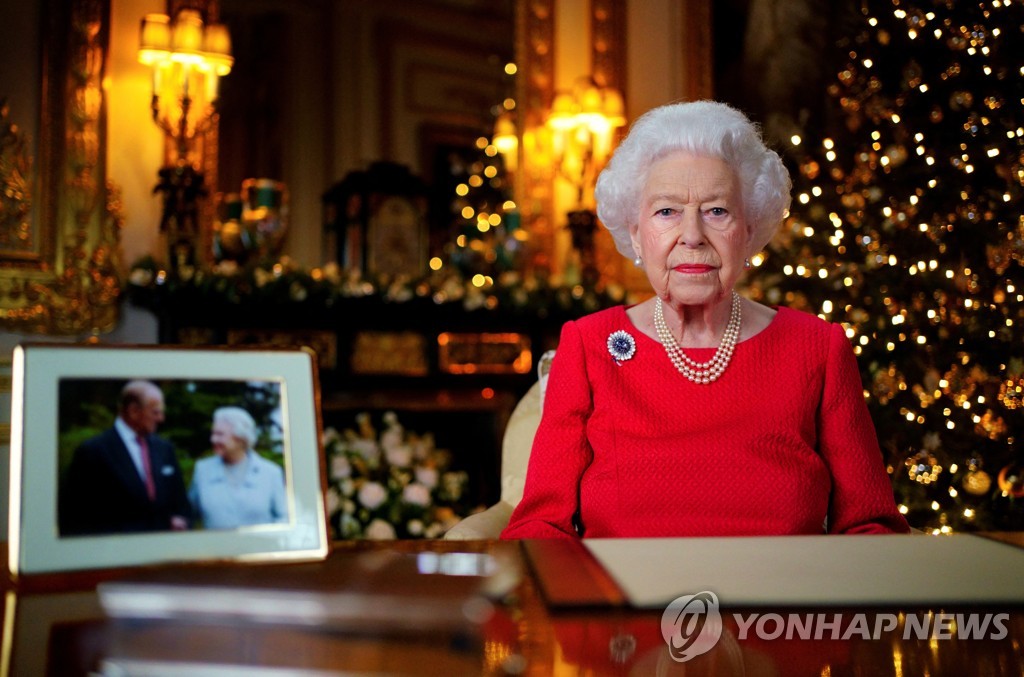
x,y
188,58
583,124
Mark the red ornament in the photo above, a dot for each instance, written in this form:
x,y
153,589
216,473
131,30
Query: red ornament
x,y
1011,480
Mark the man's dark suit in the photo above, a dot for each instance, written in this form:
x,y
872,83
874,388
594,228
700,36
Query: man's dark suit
x,y
103,492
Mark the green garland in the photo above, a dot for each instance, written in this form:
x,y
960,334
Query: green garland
x,y
283,282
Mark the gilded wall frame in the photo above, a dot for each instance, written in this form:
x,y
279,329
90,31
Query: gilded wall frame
x,y
59,216
534,183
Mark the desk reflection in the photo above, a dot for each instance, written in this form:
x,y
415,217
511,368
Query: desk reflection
x,y
66,632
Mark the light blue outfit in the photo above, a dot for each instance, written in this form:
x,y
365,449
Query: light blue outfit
x,y
257,498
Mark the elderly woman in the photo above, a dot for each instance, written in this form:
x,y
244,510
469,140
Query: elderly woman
x,y
236,486
699,412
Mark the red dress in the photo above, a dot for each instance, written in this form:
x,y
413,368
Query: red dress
x,y
781,443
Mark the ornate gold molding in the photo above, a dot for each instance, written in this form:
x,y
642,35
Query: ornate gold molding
x,y
535,54
16,233
608,43
608,59
63,278
6,385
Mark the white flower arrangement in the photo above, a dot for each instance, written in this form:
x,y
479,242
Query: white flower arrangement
x,y
395,485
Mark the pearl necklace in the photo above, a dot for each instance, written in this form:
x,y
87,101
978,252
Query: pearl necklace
x,y
700,372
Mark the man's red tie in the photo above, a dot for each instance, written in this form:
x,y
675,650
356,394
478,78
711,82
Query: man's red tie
x,y
147,468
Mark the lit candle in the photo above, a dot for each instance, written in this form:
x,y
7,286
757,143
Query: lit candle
x,y
211,86
186,75
158,78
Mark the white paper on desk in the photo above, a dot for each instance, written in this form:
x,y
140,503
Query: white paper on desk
x,y
815,570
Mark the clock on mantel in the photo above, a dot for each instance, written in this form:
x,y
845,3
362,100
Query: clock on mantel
x,y
397,236
378,220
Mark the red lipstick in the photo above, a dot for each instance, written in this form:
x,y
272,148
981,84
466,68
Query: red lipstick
x,y
693,268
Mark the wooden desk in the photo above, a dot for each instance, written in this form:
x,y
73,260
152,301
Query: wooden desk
x,y
55,626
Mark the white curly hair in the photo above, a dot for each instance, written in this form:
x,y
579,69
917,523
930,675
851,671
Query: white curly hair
x,y
241,422
706,128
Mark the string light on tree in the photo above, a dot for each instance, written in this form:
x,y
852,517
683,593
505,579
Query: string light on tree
x,y
488,240
909,205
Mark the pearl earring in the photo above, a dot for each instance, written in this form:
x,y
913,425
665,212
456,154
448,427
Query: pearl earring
x,y
746,263
638,262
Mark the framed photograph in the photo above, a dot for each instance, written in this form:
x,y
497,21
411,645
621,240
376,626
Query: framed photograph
x,y
124,456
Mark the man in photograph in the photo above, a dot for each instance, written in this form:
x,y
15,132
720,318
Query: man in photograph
x,y
126,479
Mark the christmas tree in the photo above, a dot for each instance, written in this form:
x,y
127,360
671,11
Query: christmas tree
x,y
907,229
485,239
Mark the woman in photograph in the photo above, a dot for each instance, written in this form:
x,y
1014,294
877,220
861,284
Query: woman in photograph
x,y
699,412
236,486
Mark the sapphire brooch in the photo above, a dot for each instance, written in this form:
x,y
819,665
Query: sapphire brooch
x,y
621,346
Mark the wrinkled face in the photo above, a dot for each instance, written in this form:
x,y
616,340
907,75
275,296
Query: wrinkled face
x,y
144,417
691,232
225,443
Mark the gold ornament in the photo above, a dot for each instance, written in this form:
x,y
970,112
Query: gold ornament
x,y
1016,240
959,386
977,482
897,154
961,100
885,384
1011,393
991,426
810,169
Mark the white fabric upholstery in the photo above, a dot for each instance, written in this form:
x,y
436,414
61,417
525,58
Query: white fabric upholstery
x,y
515,455
482,525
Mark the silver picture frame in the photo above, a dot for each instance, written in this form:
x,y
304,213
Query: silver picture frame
x,y
38,541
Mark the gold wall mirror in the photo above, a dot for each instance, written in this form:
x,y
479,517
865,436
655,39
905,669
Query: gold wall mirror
x,y
59,216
